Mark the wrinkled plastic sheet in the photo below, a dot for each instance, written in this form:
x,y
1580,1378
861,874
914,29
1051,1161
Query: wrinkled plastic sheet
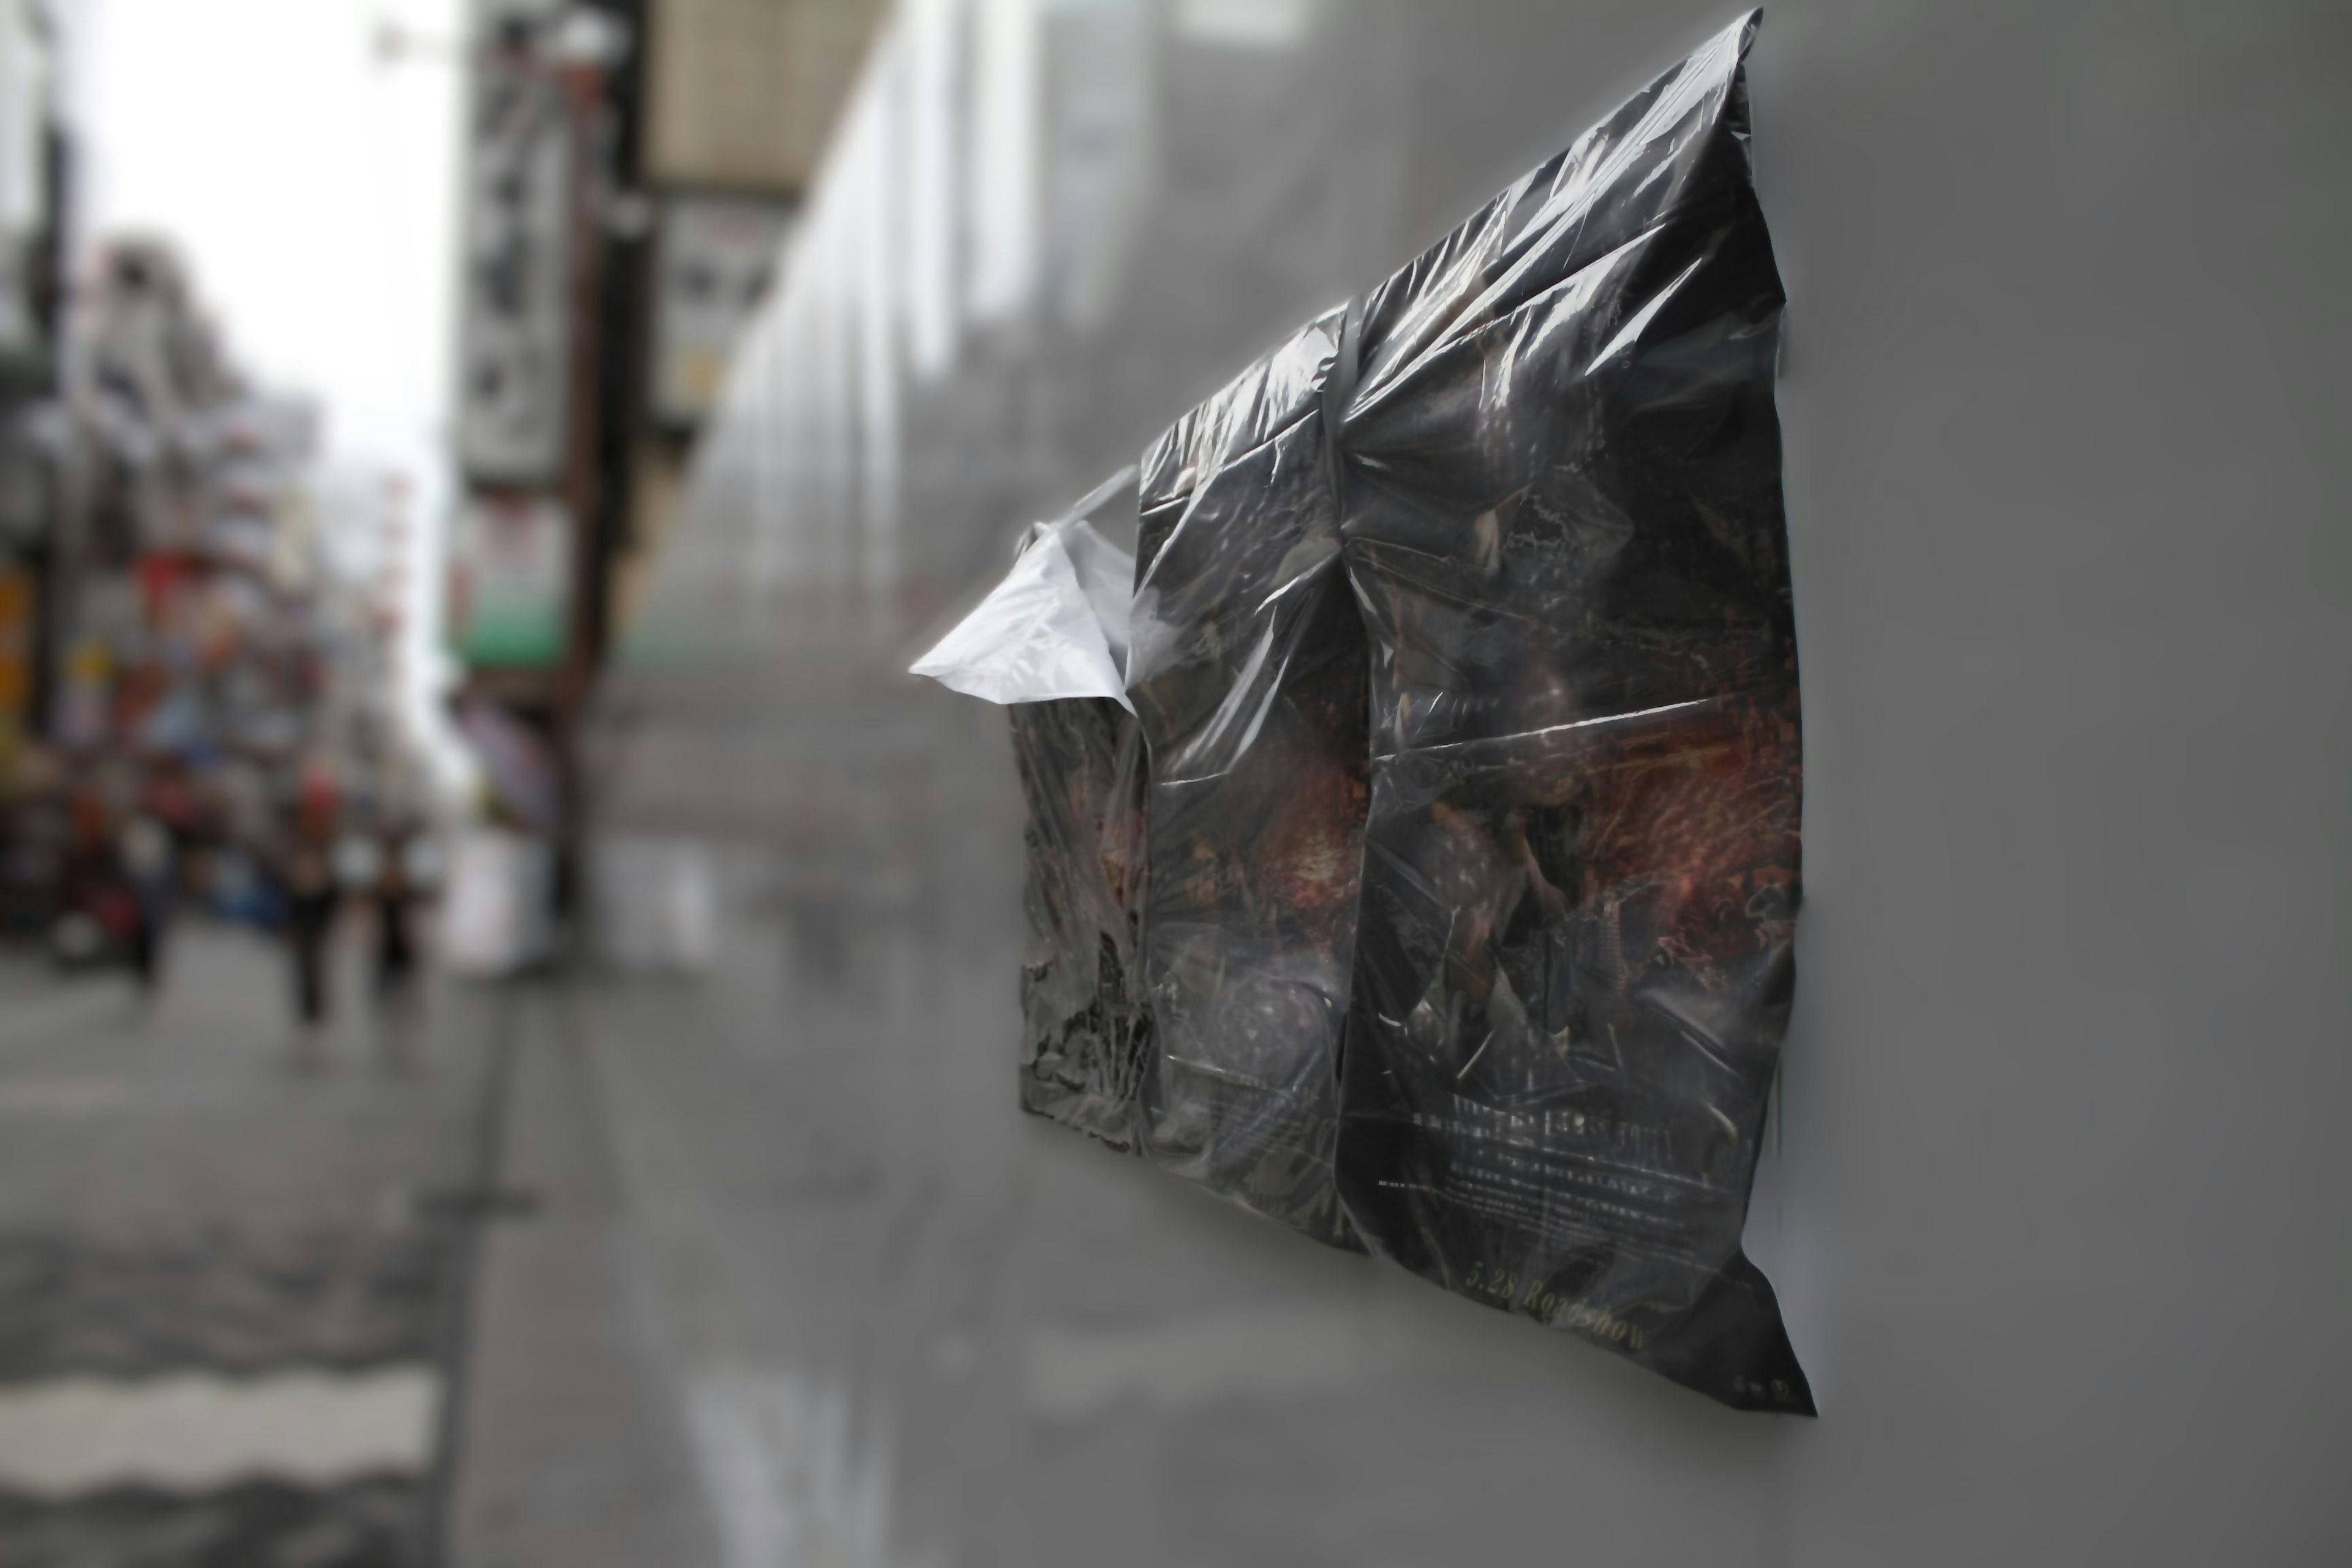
x,y
1463,668
1248,676
1057,625
1082,777
1051,642
1561,494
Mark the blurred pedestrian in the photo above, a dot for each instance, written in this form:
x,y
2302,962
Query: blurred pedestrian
x,y
148,860
93,919
310,899
403,882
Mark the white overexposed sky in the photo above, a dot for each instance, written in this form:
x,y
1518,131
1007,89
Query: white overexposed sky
x,y
309,179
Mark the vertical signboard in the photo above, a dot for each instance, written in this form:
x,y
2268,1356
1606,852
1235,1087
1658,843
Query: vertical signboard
x,y
719,255
515,341
510,587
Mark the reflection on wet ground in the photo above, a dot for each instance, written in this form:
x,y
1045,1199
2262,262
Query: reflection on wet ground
x,y
904,1322
366,1524
222,1280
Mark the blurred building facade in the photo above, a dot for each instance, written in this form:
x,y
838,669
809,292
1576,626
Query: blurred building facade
x,y
177,637
633,171
33,265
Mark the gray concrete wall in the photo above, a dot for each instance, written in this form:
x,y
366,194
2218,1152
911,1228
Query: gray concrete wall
x,y
2055,1198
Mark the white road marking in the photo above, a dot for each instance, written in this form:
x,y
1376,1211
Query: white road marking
x,y
190,1430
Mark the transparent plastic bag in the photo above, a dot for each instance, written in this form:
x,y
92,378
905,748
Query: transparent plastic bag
x,y
1050,642
1248,677
1560,485
1082,776
1463,668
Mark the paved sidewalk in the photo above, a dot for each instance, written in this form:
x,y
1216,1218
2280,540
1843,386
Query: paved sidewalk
x,y
571,1448
222,1280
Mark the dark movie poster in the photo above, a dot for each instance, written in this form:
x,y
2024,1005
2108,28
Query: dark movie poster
x,y
1561,494
1463,668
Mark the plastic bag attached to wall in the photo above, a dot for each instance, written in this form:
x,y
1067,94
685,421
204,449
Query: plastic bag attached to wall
x,y
1050,642
1464,664
1248,676
1559,481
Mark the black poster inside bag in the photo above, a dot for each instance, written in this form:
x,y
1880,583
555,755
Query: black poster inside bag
x,y
1082,777
1438,899
1559,468
1248,674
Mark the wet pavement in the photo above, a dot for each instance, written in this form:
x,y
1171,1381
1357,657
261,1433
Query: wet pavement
x,y
765,1266
225,1279
367,1521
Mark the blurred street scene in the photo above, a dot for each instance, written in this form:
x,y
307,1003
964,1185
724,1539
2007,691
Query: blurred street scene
x,y
510,994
